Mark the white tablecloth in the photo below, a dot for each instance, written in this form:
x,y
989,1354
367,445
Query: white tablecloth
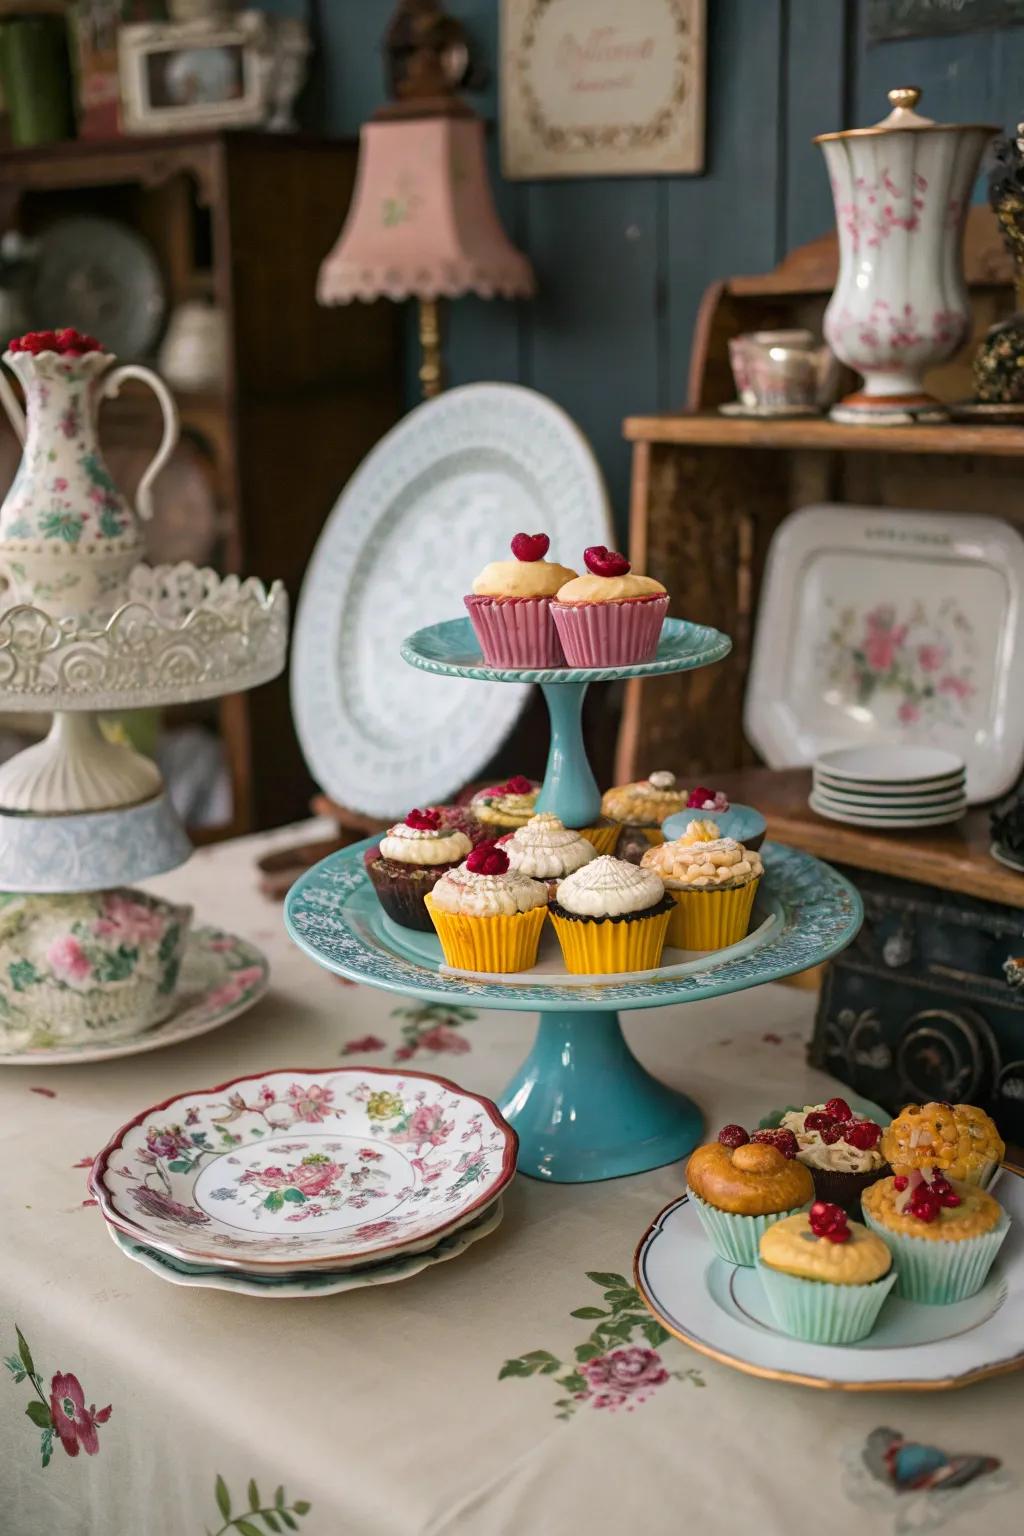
x,y
394,1410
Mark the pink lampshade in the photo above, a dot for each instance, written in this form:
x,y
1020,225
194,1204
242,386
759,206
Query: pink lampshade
x,y
422,222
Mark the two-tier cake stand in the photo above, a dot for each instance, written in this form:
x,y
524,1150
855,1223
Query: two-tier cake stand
x,y
583,1106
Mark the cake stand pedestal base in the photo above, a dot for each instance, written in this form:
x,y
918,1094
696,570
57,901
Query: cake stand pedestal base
x,y
585,1109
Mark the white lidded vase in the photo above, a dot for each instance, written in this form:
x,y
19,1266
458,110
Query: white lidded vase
x,y
68,537
901,191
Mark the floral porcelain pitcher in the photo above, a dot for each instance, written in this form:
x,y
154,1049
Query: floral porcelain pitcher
x,y
68,538
901,191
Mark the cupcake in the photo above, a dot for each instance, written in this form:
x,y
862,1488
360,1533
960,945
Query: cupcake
x,y
510,606
640,808
944,1234
825,1277
408,862
959,1139
713,886
741,1184
609,618
487,917
545,849
611,916
841,1149
603,835
504,807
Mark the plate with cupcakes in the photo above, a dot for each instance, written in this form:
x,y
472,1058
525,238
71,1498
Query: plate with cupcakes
x,y
834,1248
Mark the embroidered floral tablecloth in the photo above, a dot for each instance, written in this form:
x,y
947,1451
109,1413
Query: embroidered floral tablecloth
x,y
521,1388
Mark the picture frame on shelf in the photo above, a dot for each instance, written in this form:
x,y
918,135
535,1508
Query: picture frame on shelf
x,y
179,76
590,88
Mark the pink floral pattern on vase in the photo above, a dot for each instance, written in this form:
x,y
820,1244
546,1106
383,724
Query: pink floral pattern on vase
x,y
61,1411
914,666
880,207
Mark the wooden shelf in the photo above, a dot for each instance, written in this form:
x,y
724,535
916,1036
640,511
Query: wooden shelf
x,y
709,429
953,858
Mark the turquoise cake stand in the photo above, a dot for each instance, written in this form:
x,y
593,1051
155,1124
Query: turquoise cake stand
x,y
583,1106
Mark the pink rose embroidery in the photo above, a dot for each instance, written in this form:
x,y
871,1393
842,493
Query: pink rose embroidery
x,y
442,1038
363,1045
68,958
624,1377
73,1421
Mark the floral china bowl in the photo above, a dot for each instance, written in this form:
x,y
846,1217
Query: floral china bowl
x,y
305,1169
97,967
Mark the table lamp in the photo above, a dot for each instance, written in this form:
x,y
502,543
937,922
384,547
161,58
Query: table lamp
x,y
422,223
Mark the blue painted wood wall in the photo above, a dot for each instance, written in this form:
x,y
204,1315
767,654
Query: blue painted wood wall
x,y
622,264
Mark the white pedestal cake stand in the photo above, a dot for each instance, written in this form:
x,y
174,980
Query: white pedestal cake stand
x,y
583,1106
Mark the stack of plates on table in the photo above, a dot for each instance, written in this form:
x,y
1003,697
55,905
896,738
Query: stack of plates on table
x,y
305,1183
898,788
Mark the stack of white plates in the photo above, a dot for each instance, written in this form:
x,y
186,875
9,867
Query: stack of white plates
x,y
892,787
306,1183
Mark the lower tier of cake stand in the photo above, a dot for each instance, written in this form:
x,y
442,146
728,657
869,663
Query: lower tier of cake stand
x,y
585,1109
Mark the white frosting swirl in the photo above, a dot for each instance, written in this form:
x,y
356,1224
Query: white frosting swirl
x,y
723,862
610,887
419,845
546,848
840,1157
462,891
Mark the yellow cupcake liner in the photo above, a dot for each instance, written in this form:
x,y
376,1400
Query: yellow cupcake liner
x,y
604,839
603,947
492,944
711,919
654,835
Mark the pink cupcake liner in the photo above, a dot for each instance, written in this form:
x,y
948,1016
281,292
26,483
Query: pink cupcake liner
x,y
515,631
615,634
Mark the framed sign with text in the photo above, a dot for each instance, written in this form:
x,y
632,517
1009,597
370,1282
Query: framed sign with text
x,y
602,88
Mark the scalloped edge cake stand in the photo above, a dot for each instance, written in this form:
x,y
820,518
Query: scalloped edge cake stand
x,y
583,1106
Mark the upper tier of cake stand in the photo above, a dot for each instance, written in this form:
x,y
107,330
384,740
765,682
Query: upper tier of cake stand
x,y
183,634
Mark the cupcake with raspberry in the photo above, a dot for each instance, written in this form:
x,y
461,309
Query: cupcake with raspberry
x,y
408,862
944,1234
639,808
740,1184
505,807
842,1150
826,1277
546,849
487,917
609,617
611,917
510,606
713,886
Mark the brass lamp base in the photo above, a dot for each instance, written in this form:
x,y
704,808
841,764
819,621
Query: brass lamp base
x,y
431,366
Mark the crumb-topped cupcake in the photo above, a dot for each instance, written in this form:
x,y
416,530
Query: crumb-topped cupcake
x,y
510,606
504,807
611,916
609,617
944,1234
642,806
713,885
740,1184
825,1277
959,1139
487,917
841,1149
545,849
408,862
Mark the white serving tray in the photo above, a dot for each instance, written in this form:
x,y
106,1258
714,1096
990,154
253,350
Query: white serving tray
x,y
886,626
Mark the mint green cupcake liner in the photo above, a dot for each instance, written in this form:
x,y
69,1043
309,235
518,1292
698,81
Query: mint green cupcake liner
x,y
822,1313
735,1238
937,1272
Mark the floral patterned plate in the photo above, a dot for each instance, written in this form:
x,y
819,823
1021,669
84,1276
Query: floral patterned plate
x,y
221,976
311,1282
305,1169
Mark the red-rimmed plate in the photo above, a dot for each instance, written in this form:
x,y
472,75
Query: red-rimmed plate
x,y
305,1169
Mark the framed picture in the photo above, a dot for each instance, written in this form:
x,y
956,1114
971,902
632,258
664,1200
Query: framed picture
x,y
602,88
195,75
889,19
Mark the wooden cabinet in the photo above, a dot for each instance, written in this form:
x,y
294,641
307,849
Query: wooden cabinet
x,y
245,218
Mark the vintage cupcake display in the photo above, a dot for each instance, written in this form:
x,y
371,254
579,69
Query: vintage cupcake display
x,y
410,859
610,617
545,849
713,886
504,807
611,916
826,1277
842,1150
487,917
743,1183
944,1234
510,606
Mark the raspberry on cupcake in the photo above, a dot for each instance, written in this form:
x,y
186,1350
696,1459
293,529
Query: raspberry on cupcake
x,y
826,1277
510,606
842,1150
610,617
504,807
944,1234
487,917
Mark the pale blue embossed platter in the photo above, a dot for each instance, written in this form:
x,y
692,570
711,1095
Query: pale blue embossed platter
x,y
59,855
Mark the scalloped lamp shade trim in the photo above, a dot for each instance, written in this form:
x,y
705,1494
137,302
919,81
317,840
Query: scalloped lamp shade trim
x,y
422,223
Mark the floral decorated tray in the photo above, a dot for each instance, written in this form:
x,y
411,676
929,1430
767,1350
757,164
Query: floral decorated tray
x,y
296,1169
722,1311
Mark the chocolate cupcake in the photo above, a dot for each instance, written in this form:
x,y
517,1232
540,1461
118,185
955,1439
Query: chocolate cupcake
x,y
842,1151
611,917
409,861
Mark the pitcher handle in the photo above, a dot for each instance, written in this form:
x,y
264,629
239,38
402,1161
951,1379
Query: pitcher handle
x,y
111,387
12,405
